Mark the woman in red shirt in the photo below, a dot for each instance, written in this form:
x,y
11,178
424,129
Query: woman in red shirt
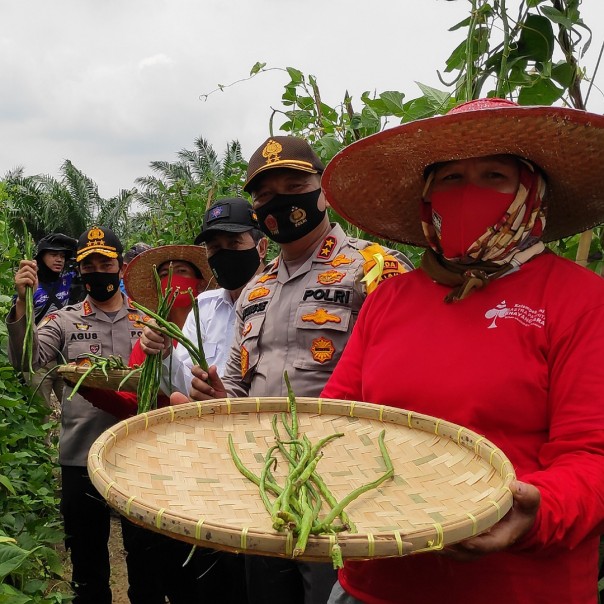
x,y
494,333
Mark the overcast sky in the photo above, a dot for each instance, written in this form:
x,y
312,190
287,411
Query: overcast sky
x,y
114,84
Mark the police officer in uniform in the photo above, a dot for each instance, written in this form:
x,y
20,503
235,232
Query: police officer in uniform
x,y
103,324
297,316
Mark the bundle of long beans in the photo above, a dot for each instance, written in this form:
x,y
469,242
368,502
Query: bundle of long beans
x,y
149,383
172,331
148,386
296,505
28,341
103,364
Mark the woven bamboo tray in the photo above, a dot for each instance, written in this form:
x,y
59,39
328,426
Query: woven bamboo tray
x,y
97,379
171,471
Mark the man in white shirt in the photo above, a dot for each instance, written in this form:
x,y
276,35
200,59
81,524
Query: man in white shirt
x,y
236,249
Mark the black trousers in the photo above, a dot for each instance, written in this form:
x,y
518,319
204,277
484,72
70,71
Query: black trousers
x,y
154,561
280,581
155,570
86,518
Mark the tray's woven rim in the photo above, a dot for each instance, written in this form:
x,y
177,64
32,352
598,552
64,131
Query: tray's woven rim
x,y
97,379
355,545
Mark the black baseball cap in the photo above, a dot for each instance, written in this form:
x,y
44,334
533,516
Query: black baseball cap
x,y
233,215
56,242
99,240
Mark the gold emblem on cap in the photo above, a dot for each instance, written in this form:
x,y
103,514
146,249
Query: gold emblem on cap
x,y
271,151
95,233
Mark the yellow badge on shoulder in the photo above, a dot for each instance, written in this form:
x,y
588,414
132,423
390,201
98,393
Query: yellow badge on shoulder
x,y
245,361
330,277
266,278
259,292
46,319
246,328
327,247
320,317
339,260
322,350
87,308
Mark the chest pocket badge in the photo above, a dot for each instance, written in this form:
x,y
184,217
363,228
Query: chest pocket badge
x,y
322,349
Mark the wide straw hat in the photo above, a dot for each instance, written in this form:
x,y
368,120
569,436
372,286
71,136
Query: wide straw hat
x,y
377,182
140,282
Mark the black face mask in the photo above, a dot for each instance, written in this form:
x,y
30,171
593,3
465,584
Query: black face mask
x,y
234,268
101,286
287,218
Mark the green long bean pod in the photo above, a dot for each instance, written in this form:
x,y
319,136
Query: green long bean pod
x,y
336,511
195,307
276,489
332,501
269,460
305,524
172,331
28,338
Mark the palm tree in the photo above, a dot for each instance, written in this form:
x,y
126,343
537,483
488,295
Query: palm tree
x,y
175,199
67,205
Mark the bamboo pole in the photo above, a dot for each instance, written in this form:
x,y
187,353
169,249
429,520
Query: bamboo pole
x,y
583,249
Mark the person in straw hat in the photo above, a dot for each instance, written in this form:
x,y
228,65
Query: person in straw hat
x,y
501,336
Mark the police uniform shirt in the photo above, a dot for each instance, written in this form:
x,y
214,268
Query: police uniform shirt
x,y
301,322
75,331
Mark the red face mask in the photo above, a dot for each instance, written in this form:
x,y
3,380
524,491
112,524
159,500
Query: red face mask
x,y
183,299
463,214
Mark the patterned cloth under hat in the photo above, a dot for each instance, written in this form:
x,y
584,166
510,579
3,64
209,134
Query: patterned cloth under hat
x,y
282,152
377,182
99,240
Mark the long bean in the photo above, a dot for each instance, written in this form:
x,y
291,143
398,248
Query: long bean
x,y
148,386
28,339
297,504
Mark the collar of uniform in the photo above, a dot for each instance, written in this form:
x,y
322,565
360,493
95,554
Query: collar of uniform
x,y
89,309
225,298
330,245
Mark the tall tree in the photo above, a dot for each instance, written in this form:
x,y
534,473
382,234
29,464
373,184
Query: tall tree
x,y
175,198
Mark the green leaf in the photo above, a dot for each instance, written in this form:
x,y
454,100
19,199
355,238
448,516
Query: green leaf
x,y
11,558
553,14
295,74
7,484
419,108
534,3
257,67
457,58
327,147
461,24
438,99
543,92
536,40
393,101
563,73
